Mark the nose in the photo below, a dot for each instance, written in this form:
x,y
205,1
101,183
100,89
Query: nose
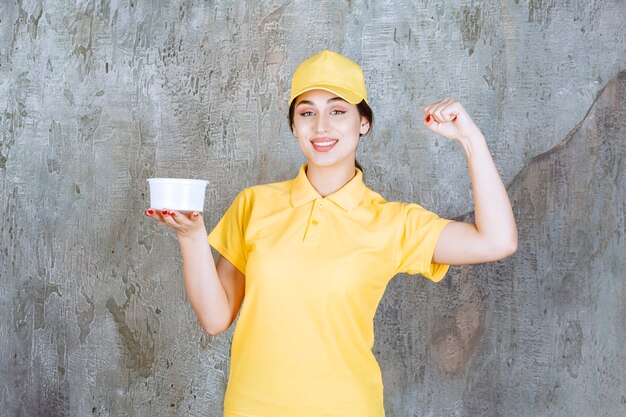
x,y
322,123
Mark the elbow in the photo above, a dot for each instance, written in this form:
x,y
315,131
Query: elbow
x,y
504,244
214,328
507,248
499,248
212,331
511,248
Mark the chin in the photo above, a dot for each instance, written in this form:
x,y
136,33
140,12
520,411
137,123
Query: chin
x,y
327,162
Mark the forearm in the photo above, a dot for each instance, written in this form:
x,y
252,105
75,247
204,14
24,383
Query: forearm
x,y
204,289
494,234
494,220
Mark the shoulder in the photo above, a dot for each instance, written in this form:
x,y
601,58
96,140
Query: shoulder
x,y
263,194
374,200
378,209
266,190
395,212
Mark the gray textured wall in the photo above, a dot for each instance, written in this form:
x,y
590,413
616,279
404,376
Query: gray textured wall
x,y
97,96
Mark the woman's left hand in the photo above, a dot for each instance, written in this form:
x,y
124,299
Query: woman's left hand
x,y
449,119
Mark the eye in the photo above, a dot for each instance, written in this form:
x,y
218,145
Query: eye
x,y
337,112
306,113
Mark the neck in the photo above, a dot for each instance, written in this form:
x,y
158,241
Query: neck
x,y
327,180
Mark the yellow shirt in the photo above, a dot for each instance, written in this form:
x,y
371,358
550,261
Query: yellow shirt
x,y
316,269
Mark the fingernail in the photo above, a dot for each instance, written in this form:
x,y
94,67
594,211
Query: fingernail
x,y
150,212
195,214
428,119
172,214
164,212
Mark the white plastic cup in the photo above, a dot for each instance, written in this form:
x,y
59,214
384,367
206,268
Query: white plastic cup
x,y
177,194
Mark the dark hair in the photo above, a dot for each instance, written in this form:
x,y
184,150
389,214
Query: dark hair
x,y
364,110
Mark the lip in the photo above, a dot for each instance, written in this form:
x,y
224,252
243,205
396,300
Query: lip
x,y
323,144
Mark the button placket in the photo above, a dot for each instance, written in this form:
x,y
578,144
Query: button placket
x,y
317,217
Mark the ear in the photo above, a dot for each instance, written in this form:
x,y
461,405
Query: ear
x,y
365,126
293,132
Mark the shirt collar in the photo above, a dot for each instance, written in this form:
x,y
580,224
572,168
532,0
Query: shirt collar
x,y
347,197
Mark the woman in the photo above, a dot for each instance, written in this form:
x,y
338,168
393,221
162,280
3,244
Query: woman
x,y
313,255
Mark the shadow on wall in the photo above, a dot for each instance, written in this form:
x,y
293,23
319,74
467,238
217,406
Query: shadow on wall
x,y
554,321
540,333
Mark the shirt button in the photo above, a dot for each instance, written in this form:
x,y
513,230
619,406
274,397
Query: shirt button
x,y
314,222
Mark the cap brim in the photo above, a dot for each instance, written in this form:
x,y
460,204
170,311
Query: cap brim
x,y
348,95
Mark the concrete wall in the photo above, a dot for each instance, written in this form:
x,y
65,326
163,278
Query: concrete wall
x,y
97,96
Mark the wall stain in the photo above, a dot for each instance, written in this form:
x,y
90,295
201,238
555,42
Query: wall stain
x,y
89,122
43,290
471,27
53,400
140,357
571,342
33,21
22,18
84,318
55,143
6,141
540,11
22,314
69,96
81,27
29,304
22,91
456,336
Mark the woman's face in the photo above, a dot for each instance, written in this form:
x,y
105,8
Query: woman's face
x,y
327,128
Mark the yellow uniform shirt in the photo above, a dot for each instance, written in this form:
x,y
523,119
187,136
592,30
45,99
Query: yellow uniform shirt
x,y
316,269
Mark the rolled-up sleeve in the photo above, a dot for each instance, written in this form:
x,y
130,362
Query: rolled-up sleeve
x,y
419,231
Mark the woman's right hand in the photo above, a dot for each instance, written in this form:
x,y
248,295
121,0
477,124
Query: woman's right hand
x,y
185,224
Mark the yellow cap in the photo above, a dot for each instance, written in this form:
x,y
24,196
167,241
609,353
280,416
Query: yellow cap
x,y
332,72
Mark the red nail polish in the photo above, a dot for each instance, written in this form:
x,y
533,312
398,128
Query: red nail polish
x,y
150,212
428,119
164,212
172,214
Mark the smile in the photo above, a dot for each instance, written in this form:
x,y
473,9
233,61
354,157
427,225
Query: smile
x,y
323,145
330,142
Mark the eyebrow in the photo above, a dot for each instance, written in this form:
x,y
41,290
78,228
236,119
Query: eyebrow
x,y
329,101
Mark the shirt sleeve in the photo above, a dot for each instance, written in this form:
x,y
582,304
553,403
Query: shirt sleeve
x,y
419,231
229,235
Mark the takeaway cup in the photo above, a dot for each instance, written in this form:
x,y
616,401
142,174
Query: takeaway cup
x,y
177,194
